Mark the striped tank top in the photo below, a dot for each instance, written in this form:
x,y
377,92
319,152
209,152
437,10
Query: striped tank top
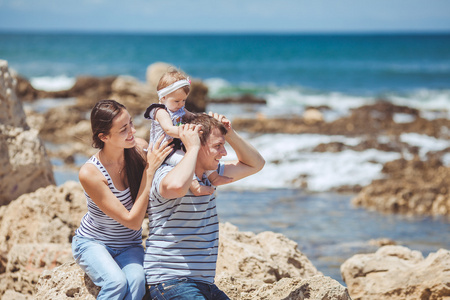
x,y
97,225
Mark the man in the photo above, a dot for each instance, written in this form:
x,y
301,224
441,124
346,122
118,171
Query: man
x,y
182,247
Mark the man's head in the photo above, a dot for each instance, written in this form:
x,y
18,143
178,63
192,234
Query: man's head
x,y
212,138
208,124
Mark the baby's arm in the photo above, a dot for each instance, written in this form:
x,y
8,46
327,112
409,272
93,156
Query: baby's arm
x,y
163,118
200,190
217,179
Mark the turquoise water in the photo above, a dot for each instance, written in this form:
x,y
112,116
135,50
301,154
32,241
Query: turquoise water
x,y
361,64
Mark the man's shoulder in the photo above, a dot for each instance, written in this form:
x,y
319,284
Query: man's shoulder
x,y
162,171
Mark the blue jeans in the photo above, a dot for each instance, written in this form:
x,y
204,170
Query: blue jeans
x,y
119,273
185,288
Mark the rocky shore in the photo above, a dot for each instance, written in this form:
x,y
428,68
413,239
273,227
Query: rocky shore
x,y
38,218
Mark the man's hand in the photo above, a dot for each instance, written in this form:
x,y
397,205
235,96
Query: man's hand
x,y
189,135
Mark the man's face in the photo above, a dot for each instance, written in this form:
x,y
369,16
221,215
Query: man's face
x,y
212,152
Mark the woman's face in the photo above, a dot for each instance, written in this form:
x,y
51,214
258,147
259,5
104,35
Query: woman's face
x,y
122,131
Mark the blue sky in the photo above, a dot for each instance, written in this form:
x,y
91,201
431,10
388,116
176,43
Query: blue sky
x,y
226,16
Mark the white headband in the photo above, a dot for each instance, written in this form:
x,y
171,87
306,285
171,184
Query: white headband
x,y
173,87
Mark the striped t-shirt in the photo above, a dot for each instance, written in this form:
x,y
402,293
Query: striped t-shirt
x,y
184,234
97,225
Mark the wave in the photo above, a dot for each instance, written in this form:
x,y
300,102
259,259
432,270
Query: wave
x,y
293,100
290,160
50,84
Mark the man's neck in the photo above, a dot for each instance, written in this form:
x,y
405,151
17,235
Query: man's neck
x,y
199,172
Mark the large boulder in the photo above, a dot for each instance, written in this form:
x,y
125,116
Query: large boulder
x,y
49,215
413,187
35,234
132,93
396,272
266,256
316,287
154,73
24,163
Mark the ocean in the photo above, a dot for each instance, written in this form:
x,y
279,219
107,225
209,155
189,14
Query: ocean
x,y
292,72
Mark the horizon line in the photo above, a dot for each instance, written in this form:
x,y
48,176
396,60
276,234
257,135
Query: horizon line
x,y
230,32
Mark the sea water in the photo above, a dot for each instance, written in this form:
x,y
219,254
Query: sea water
x,y
292,72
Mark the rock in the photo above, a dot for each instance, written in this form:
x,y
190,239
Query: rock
x,y
198,97
35,234
368,120
413,187
267,257
26,262
66,281
396,272
25,91
132,93
25,166
263,266
154,73
316,287
59,120
69,280
13,295
11,110
88,89
312,116
49,215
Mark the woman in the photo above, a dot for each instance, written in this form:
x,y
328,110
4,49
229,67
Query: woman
x,y
117,181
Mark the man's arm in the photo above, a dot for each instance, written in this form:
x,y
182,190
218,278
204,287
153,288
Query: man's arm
x,y
249,159
177,182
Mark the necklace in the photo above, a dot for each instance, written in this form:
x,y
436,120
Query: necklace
x,y
121,169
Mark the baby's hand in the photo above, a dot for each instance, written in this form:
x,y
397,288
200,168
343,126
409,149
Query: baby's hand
x,y
222,119
189,135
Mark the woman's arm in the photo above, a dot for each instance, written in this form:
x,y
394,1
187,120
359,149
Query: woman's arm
x,y
96,186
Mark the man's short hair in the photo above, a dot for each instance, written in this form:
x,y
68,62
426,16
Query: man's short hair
x,y
208,124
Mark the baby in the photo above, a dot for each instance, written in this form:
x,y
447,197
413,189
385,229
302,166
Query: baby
x,y
173,89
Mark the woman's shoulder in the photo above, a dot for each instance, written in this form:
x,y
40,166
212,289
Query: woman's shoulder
x,y
90,172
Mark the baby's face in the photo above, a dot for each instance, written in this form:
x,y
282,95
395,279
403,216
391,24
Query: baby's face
x,y
175,100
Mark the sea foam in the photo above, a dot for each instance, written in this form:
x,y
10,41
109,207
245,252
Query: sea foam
x,y
47,83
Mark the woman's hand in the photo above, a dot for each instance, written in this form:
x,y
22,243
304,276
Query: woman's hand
x,y
158,153
222,119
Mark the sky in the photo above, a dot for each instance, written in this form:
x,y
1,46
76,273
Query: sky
x,y
225,16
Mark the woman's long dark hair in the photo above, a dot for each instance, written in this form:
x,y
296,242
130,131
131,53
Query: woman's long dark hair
x,y
102,116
